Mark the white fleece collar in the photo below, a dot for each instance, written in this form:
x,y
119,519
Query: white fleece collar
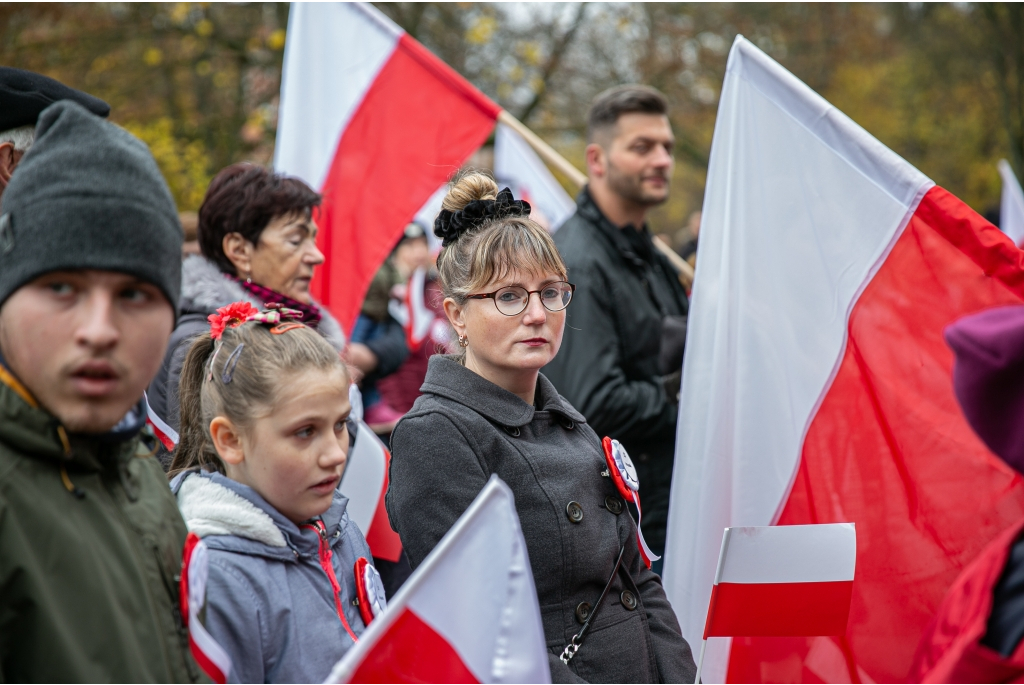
x,y
211,509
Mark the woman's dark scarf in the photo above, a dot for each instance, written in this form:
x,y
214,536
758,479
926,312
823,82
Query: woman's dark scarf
x,y
449,226
310,312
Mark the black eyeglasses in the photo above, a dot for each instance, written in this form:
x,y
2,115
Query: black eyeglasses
x,y
514,299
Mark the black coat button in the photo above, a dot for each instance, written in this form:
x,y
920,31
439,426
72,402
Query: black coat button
x,y
512,430
613,504
568,424
574,511
628,600
582,612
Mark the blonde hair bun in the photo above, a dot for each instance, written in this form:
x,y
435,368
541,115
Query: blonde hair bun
x,y
467,187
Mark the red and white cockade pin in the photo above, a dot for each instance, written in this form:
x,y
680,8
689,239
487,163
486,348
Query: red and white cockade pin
x,y
369,591
623,474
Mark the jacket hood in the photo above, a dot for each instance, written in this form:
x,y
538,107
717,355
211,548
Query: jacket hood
x,y
449,379
234,517
205,288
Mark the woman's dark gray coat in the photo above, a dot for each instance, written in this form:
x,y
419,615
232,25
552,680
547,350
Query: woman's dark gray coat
x,y
463,429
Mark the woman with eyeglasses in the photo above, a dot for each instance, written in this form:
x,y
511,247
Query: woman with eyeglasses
x,y
488,410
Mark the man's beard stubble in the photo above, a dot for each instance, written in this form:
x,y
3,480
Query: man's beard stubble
x,y
631,187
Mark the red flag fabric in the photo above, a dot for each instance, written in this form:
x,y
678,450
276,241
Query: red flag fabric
x,y
817,386
377,123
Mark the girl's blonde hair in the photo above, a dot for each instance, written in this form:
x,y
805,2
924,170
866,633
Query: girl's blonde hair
x,y
492,250
239,377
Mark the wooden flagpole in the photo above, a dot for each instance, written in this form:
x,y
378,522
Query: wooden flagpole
x,y
551,156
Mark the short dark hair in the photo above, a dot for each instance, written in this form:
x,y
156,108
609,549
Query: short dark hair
x,y
614,102
243,198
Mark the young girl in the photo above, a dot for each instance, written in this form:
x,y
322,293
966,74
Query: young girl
x,y
264,408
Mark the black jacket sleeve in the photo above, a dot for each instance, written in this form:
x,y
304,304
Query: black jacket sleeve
x,y
1006,622
390,349
589,368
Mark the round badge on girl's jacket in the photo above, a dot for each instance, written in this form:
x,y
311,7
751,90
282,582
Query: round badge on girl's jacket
x,y
370,591
620,468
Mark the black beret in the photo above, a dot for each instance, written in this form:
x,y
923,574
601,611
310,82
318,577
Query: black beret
x,y
25,94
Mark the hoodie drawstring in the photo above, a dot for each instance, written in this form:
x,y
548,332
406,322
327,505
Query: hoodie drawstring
x,y
328,567
64,477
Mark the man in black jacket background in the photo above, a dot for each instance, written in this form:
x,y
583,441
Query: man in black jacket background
x,y
621,355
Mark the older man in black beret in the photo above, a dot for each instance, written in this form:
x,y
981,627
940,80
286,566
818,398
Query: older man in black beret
x,y
23,95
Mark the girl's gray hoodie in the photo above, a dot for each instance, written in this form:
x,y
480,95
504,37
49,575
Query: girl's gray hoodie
x,y
269,601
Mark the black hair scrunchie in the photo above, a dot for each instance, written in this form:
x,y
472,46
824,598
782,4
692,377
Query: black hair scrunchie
x,y
449,226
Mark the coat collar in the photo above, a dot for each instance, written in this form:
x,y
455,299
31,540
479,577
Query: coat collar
x,y
447,378
238,519
28,428
589,210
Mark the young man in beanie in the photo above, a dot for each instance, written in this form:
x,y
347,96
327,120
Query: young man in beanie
x,y
90,536
23,96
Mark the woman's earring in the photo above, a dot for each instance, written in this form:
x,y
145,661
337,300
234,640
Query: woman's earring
x,y
248,277
463,341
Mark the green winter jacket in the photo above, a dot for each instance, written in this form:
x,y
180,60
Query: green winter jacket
x,y
90,555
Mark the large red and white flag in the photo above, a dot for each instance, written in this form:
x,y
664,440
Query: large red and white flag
x,y
782,581
375,122
519,167
468,614
365,482
817,387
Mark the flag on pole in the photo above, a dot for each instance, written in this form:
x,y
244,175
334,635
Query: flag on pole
x,y
783,580
817,386
516,165
1011,206
375,122
365,482
468,614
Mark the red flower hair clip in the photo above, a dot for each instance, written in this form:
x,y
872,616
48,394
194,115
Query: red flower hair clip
x,y
232,316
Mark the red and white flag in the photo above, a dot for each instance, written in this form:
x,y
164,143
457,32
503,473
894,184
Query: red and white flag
x,y
783,580
468,614
817,386
375,122
365,482
167,436
519,167
1011,204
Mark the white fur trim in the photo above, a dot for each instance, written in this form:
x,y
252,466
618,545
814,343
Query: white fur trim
x,y
206,286
212,509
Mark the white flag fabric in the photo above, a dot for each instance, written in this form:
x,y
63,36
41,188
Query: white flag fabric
x,y
517,166
469,613
817,385
365,482
1011,206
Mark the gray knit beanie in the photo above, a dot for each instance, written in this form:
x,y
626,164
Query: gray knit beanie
x,y
88,195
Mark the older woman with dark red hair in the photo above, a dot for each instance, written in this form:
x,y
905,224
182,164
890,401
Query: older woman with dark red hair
x,y
258,243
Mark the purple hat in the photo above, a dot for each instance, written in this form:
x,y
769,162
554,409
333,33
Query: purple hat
x,y
988,378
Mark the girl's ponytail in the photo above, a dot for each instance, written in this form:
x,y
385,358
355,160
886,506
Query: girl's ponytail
x,y
194,448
